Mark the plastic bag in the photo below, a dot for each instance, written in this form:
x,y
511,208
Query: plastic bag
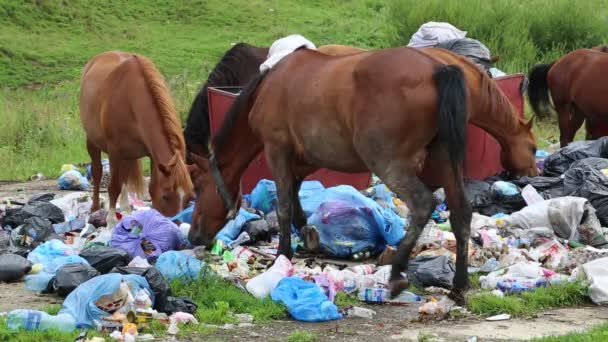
x,y
488,203
98,218
586,178
473,49
13,267
233,228
559,162
174,265
5,241
547,187
155,279
31,234
74,205
51,255
177,304
435,271
263,284
597,276
146,229
105,258
185,215
305,301
552,254
73,180
105,290
70,276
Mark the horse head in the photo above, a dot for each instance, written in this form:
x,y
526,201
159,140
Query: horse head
x,y
213,200
170,186
519,156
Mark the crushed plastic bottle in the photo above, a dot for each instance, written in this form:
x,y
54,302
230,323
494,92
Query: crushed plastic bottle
x,y
356,311
39,320
380,295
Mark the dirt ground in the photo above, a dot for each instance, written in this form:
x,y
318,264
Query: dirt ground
x,y
390,322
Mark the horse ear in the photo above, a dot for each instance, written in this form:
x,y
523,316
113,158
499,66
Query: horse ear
x,y
530,122
193,170
166,170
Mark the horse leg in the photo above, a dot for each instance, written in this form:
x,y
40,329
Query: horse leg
x,y
279,163
114,189
96,173
299,217
403,180
566,133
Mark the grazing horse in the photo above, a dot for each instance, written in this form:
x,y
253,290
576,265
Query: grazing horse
x,y
127,112
577,82
235,69
355,113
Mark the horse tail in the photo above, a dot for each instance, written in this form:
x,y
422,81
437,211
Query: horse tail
x,y
538,89
132,173
452,103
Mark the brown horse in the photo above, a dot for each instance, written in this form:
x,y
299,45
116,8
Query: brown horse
x,y
126,111
489,110
363,112
577,82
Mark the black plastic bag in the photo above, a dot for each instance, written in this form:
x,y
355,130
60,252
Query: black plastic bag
x,y
13,267
31,234
98,218
586,179
259,230
155,279
177,304
559,162
43,197
487,203
69,276
547,187
5,241
106,258
431,270
40,209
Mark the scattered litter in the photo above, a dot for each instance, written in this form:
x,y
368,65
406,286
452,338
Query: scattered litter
x,y
502,317
173,264
305,301
105,258
262,285
356,311
14,267
437,308
72,180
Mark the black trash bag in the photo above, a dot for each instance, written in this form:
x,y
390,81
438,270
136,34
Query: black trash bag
x,y
177,304
425,271
485,202
69,276
5,241
586,179
105,258
98,218
13,267
44,210
155,279
559,162
34,232
547,187
43,197
259,230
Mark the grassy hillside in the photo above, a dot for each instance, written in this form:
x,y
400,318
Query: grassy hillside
x,y
45,43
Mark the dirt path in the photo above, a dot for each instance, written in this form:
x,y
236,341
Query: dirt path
x,y
391,322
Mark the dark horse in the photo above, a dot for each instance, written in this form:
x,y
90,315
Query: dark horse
x,y
355,113
577,82
238,65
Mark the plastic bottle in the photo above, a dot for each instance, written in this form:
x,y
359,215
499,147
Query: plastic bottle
x,y
356,311
363,269
39,320
262,285
379,295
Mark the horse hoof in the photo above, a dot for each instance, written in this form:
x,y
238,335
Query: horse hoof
x,y
396,286
458,297
311,238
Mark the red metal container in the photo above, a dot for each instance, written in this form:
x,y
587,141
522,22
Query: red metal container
x,y
482,155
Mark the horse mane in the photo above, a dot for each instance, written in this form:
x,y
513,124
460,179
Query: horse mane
x,y
227,72
168,115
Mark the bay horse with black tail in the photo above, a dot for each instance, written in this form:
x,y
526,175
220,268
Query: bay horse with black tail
x,y
578,83
127,112
236,67
356,113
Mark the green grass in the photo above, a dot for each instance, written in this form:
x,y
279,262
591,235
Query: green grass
x,y
45,44
302,336
343,300
598,333
217,299
529,303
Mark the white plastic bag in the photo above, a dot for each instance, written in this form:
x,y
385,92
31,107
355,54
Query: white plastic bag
x,y
261,286
597,276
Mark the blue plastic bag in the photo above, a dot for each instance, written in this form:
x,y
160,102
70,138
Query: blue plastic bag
x,y
233,228
80,303
173,264
51,255
73,180
264,195
305,301
185,215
